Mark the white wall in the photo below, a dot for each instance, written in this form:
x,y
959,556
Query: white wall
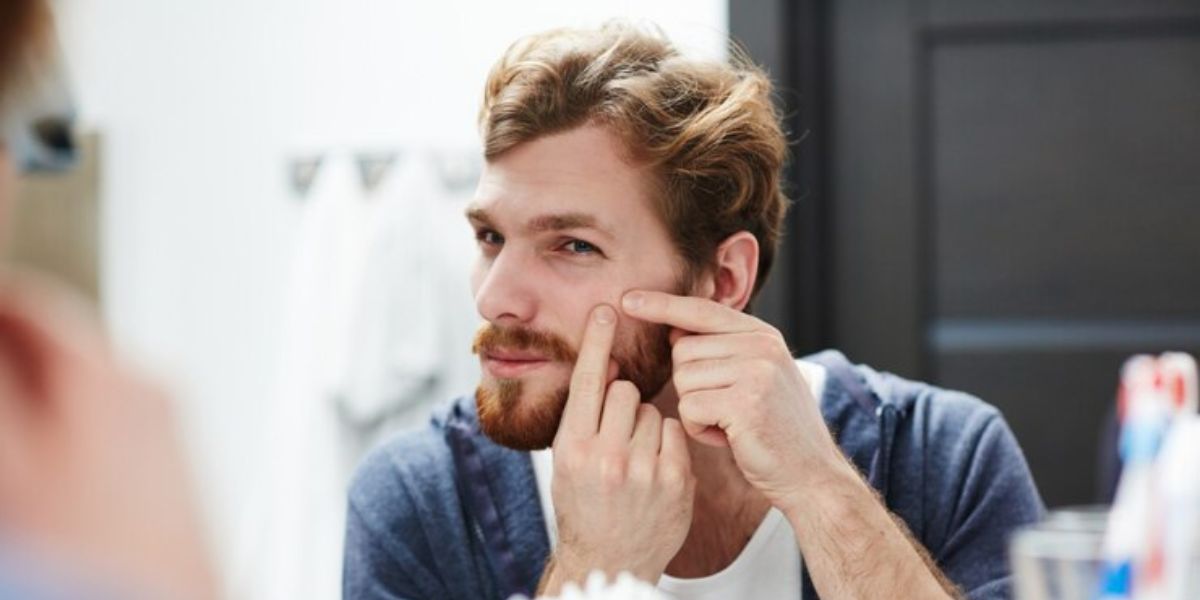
x,y
201,101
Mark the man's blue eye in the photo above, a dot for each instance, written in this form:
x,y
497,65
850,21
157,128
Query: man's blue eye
x,y
580,247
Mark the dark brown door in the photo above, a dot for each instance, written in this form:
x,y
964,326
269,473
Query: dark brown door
x,y
1010,198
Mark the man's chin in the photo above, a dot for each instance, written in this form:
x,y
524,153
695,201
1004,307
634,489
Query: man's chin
x,y
513,419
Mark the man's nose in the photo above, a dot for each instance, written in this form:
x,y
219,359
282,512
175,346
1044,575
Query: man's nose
x,y
506,294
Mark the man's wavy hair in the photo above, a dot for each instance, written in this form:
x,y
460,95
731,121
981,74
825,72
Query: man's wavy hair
x,y
709,130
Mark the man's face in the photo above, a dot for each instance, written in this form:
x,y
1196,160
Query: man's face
x,y
563,224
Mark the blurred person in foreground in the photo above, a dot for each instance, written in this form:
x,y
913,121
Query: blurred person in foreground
x,y
633,416
94,497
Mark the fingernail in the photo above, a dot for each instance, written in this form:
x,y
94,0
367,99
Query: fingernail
x,y
633,300
604,315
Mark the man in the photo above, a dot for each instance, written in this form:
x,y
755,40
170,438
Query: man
x,y
94,498
632,415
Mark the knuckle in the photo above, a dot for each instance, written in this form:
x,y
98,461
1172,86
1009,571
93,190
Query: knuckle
x,y
763,340
769,342
771,331
675,477
642,471
781,347
613,469
762,371
567,465
683,349
760,339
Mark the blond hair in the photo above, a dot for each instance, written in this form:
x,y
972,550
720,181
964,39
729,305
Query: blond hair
x,y
709,130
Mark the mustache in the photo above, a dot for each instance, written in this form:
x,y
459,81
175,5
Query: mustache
x,y
491,337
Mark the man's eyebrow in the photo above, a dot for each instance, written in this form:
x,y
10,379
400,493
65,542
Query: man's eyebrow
x,y
559,222
478,215
544,223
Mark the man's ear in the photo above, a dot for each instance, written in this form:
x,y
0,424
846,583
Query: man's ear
x,y
736,270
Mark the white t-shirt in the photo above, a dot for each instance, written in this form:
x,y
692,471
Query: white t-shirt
x,y
769,565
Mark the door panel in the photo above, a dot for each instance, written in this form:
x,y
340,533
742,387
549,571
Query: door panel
x,y
1014,199
1064,178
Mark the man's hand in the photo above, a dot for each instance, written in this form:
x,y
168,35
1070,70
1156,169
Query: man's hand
x,y
739,386
623,486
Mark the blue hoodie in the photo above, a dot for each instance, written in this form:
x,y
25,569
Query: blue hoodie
x,y
446,513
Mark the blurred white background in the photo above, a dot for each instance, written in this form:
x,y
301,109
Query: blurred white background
x,y
200,104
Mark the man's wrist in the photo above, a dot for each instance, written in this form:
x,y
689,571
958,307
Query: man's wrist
x,y
841,520
566,567
825,493
556,576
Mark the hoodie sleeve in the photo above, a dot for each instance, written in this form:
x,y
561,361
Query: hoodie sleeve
x,y
985,492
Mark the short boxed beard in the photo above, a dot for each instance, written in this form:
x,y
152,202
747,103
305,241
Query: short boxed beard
x,y
526,428
533,423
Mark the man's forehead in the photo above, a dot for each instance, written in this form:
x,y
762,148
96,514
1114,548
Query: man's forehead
x,y
548,179
582,168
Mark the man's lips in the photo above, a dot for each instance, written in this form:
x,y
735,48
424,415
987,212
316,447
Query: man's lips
x,y
506,364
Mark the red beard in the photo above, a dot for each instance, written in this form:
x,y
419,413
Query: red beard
x,y
530,423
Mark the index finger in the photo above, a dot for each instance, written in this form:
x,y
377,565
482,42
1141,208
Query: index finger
x,y
697,315
589,379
